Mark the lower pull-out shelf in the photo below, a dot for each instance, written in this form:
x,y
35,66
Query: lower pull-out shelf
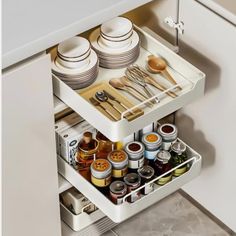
x,y
121,212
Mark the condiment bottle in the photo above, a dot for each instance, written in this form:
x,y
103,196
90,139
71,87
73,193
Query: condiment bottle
x,y
105,146
119,162
86,154
146,173
133,181
178,156
118,190
152,142
135,151
101,174
161,166
169,133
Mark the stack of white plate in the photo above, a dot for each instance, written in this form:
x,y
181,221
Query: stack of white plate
x,y
116,43
76,63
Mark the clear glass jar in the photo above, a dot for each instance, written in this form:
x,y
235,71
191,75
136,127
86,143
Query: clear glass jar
x,y
118,190
133,181
162,165
105,146
178,156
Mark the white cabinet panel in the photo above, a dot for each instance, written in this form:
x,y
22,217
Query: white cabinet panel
x,y
208,124
29,173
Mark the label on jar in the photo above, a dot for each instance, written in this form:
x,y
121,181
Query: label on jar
x,y
135,196
101,182
135,164
119,173
148,188
166,145
151,155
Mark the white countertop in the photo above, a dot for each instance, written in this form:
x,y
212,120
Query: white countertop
x,y
31,26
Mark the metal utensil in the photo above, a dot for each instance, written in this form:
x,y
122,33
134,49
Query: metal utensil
x,y
98,104
135,76
114,99
158,65
117,84
150,80
102,97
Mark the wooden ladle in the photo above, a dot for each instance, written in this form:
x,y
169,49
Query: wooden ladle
x,y
158,65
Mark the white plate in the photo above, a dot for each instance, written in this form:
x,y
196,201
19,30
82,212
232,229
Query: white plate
x,y
59,69
94,36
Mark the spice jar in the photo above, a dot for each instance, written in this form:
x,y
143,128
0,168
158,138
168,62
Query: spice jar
x,y
135,151
101,174
169,133
87,149
152,142
105,146
119,162
118,190
162,165
178,156
133,181
146,173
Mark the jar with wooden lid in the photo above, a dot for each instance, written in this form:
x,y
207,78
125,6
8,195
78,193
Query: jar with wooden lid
x,y
169,133
87,149
119,162
162,165
135,151
101,174
178,156
105,146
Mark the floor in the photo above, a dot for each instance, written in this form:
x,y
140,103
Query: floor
x,y
173,216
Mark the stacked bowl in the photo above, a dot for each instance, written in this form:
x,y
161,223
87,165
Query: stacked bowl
x,y
76,63
116,43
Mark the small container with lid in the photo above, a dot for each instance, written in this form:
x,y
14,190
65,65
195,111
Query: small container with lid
x,y
162,165
101,174
152,142
119,162
146,173
118,190
178,156
86,154
133,181
135,151
105,146
169,133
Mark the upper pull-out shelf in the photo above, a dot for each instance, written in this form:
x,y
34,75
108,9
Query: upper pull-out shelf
x,y
187,76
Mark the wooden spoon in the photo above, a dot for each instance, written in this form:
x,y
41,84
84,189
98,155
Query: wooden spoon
x,y
158,65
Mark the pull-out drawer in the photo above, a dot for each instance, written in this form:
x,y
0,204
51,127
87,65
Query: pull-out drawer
x,y
187,76
121,212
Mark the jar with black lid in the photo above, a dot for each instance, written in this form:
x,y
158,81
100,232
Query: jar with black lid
x,y
169,133
118,190
135,151
146,173
162,165
178,156
133,181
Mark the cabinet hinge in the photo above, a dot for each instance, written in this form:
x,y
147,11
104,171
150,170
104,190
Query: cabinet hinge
x,y
179,26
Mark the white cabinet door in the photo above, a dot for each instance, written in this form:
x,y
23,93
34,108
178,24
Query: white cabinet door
x,y
30,184
209,124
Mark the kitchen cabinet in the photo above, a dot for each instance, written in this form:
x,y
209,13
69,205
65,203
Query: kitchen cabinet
x,y
31,83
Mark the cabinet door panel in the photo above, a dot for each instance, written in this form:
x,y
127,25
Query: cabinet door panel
x,y
209,123
30,187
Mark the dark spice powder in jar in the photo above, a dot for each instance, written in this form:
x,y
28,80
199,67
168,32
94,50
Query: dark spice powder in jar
x,y
134,147
167,129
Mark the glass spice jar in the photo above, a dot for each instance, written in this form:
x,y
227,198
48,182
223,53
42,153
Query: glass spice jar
x,y
135,151
162,165
133,181
119,162
178,156
87,149
169,133
118,190
146,173
101,174
105,146
152,142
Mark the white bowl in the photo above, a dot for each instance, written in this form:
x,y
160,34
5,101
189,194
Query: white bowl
x,y
115,44
73,64
116,28
74,49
